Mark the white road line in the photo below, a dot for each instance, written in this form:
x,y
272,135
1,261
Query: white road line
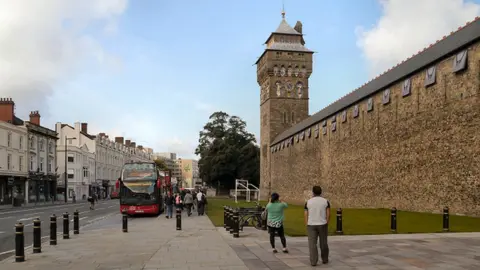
x,y
6,217
31,224
2,232
111,206
25,219
100,208
36,208
82,218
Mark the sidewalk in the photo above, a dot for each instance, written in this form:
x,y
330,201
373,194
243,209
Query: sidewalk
x,y
151,243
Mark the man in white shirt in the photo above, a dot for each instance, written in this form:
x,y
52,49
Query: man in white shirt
x,y
317,217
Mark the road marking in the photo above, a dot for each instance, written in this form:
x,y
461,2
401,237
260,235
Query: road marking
x,y
26,225
111,206
83,218
44,207
6,217
25,219
100,208
2,232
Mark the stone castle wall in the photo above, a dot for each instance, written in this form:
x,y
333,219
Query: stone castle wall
x,y
417,152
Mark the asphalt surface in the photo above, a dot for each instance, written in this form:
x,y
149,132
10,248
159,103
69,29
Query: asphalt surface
x,y
8,219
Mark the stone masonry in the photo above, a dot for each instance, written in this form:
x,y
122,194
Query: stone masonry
x,y
412,144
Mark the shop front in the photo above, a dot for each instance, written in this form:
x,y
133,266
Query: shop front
x,y
41,188
12,190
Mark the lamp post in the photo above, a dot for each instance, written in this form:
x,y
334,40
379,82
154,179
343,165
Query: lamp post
x,y
66,164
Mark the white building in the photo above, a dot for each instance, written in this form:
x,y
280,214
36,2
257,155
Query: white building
x,y
94,163
80,149
13,163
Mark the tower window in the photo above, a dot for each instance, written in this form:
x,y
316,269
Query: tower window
x,y
293,117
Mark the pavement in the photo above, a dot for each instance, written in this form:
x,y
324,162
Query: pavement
x,y
8,219
154,243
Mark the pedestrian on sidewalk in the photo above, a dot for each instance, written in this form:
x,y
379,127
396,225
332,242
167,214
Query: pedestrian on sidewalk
x,y
169,202
275,216
317,217
178,201
188,200
201,200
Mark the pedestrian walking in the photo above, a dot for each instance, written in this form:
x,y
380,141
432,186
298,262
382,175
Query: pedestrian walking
x,y
178,201
188,201
169,202
317,217
91,199
201,200
275,216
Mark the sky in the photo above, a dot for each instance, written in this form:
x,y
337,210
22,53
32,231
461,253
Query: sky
x,y
153,71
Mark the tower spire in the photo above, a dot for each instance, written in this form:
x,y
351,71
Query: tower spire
x,y
283,9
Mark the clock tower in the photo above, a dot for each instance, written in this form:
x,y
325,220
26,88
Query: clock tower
x,y
282,73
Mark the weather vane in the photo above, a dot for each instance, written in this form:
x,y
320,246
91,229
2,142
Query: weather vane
x,y
283,9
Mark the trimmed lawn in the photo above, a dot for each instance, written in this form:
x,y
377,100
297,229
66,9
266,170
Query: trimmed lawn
x,y
357,221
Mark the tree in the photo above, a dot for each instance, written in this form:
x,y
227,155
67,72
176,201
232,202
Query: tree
x,y
227,151
161,164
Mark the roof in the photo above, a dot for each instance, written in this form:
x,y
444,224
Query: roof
x,y
285,28
91,137
462,38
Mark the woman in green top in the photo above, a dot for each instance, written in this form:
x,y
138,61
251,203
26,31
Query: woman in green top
x,y
275,221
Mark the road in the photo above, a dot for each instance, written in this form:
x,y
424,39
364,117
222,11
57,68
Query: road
x,y
8,218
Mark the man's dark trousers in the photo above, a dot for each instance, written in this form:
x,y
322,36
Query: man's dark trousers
x,y
315,233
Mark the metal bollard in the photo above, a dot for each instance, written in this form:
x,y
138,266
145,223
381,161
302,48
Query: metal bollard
x,y
227,217
37,236
232,223
393,220
179,219
19,243
236,222
124,222
446,219
76,222
224,216
53,230
339,221
66,226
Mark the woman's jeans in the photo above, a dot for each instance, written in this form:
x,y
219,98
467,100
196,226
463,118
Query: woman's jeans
x,y
281,234
169,211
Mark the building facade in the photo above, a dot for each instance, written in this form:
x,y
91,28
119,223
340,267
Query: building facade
x,y
13,162
189,173
79,147
405,139
42,161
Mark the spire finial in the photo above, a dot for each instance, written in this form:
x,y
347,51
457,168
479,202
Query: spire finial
x,y
283,9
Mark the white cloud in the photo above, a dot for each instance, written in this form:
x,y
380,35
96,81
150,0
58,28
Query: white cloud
x,y
44,43
407,26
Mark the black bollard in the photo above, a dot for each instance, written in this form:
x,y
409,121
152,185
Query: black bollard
x,y
339,221
53,230
19,243
232,223
66,225
236,222
393,220
224,216
124,222
76,222
179,219
446,219
227,217
37,236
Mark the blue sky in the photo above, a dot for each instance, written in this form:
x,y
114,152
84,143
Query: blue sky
x,y
153,70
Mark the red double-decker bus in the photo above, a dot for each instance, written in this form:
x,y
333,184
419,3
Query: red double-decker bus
x,y
142,188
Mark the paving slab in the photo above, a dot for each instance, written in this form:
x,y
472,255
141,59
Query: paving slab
x,y
151,243
455,251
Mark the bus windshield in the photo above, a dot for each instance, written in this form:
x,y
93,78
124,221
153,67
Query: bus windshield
x,y
139,171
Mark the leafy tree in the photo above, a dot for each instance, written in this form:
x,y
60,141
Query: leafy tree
x,y
227,151
161,164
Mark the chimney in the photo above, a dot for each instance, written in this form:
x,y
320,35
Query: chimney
x,y
85,128
127,143
140,147
102,134
119,140
35,118
133,144
298,27
7,107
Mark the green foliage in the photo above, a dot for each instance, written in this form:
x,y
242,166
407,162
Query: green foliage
x,y
227,151
161,164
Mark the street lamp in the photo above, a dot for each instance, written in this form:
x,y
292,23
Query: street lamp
x,y
66,170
